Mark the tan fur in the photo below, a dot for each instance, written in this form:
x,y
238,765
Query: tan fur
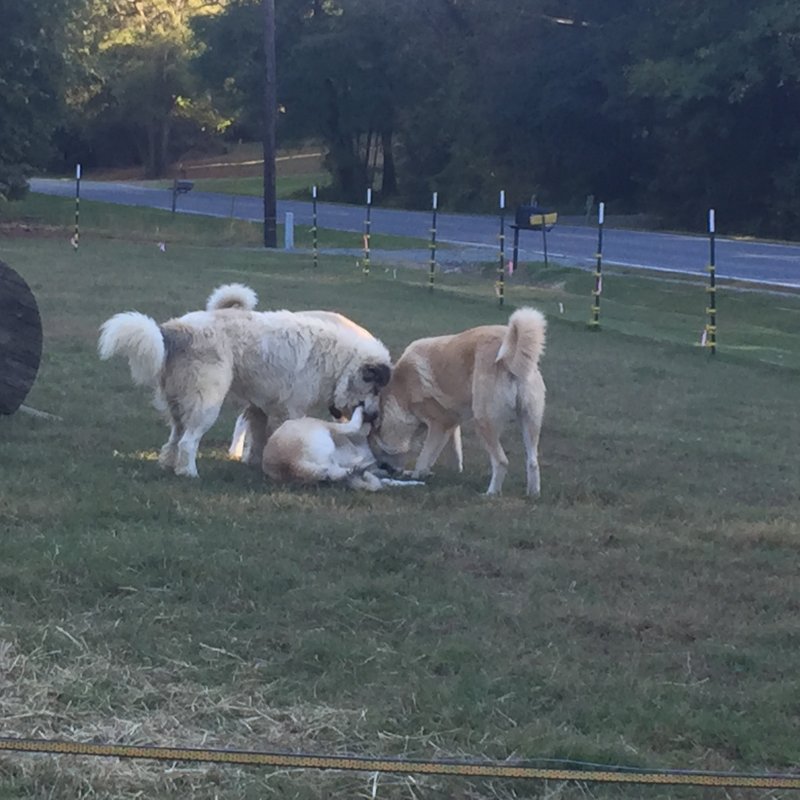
x,y
309,450
489,374
279,362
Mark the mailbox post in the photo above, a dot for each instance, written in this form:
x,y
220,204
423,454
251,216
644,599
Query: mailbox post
x,y
532,218
179,187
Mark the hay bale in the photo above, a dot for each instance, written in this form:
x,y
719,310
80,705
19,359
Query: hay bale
x,y
20,339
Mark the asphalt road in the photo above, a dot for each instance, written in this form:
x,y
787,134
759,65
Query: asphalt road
x,y
741,259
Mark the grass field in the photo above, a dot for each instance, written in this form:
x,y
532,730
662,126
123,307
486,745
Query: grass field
x,y
54,217
642,612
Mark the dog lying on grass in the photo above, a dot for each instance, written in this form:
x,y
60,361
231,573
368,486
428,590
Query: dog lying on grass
x,y
281,363
309,451
489,374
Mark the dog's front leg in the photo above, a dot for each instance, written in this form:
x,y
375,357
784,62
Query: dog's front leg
x,y
435,441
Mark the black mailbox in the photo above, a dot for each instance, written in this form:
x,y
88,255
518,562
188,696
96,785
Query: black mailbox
x,y
179,187
534,218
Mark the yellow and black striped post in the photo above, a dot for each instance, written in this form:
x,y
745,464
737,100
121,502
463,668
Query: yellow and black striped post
x,y
367,225
76,237
501,281
314,225
711,289
433,242
594,322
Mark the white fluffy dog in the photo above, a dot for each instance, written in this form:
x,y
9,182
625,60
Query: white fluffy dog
x,y
309,450
279,362
489,374
252,427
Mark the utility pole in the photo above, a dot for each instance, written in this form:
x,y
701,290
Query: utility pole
x,y
270,113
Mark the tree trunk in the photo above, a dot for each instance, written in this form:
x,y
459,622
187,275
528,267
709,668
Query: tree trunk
x,y
389,179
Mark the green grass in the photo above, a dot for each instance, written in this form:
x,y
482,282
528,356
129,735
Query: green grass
x,y
286,186
643,612
42,215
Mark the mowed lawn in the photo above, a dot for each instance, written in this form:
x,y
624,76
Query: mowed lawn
x,y
643,612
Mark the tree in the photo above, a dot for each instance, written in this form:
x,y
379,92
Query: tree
x,y
32,67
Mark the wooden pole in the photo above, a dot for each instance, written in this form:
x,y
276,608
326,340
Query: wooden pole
x,y
270,113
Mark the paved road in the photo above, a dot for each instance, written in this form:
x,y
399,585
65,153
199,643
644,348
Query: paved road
x,y
764,262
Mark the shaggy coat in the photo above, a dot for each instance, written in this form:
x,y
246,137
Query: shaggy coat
x,y
489,374
279,362
252,427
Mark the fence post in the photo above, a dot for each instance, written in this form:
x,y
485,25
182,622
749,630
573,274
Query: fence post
x,y
433,242
367,233
314,224
711,308
501,282
77,236
594,322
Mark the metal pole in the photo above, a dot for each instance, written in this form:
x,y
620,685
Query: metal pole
x,y
174,193
711,310
433,242
314,224
544,238
367,233
598,273
501,281
77,236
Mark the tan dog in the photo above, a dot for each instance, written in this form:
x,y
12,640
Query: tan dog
x,y
279,362
489,374
309,450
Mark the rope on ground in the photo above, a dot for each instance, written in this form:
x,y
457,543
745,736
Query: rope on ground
x,y
475,769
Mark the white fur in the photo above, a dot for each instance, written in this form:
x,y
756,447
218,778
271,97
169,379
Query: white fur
x,y
247,429
138,338
280,363
309,450
232,295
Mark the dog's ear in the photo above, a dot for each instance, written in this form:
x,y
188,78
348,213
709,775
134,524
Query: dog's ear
x,y
378,374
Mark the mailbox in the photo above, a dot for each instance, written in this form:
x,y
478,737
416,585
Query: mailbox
x,y
534,218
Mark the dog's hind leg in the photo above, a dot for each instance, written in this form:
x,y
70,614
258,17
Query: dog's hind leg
x,y
200,410
531,413
491,441
196,427
258,431
452,450
168,456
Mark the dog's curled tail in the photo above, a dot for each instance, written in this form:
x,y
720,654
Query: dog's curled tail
x,y
524,341
138,338
232,295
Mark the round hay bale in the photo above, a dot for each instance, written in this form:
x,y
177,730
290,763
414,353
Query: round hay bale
x,y
20,339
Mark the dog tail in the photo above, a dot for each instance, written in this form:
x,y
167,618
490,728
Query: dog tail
x,y
139,339
523,344
232,295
